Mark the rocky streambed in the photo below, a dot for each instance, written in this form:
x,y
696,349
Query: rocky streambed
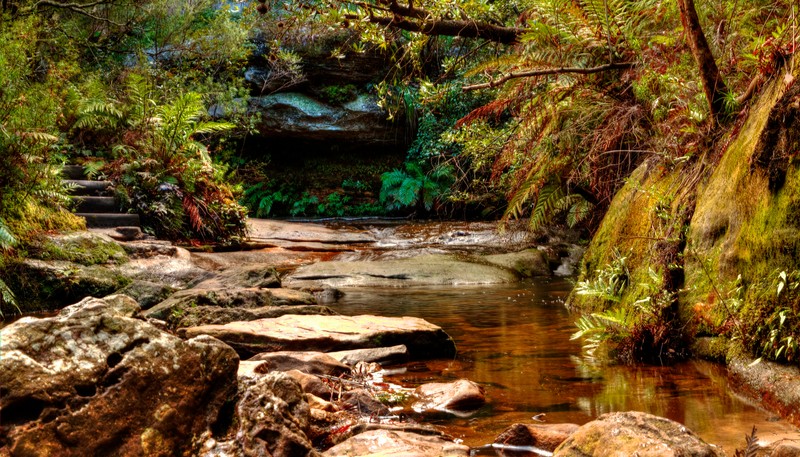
x,y
236,353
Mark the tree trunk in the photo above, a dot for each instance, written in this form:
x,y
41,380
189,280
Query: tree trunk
x,y
713,85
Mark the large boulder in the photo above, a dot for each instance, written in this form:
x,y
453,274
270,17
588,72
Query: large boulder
x,y
330,333
397,443
93,380
434,269
634,433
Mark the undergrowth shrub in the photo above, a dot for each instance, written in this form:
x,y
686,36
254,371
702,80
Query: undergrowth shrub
x,y
163,170
645,331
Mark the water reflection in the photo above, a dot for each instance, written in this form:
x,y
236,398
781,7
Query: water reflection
x,y
514,340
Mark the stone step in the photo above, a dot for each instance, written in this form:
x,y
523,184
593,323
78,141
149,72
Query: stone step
x,y
85,187
101,220
73,172
91,204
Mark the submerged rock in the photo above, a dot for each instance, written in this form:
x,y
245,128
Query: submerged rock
x,y
93,380
528,263
435,269
397,443
458,397
546,437
331,333
635,433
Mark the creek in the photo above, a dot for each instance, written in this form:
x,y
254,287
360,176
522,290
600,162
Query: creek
x,y
514,340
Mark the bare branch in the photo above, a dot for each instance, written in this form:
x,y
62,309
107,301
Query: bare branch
x,y
80,8
445,27
548,71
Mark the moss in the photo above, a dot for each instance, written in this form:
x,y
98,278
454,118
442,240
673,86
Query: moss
x,y
640,225
711,348
747,220
50,285
83,248
740,226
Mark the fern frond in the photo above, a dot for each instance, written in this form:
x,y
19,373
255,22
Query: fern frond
x,y
7,239
547,202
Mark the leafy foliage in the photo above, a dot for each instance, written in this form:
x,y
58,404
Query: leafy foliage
x,y
642,332
414,187
770,316
165,173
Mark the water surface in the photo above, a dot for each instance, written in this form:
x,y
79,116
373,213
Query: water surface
x,y
514,340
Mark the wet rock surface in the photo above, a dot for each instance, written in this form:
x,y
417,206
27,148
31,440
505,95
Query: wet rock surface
x,y
330,333
458,397
634,433
546,437
423,270
306,362
397,443
94,364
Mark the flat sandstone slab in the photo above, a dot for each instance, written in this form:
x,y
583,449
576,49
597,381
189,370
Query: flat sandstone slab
x,y
433,269
330,333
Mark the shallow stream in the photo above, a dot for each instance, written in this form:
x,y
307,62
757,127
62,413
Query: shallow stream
x,y
514,340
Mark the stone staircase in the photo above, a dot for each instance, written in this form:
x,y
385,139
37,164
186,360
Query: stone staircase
x,y
95,201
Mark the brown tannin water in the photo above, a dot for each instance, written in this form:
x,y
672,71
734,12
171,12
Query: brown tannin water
x,y
514,340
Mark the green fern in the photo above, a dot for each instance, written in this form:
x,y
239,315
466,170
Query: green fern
x,y
7,241
597,328
415,187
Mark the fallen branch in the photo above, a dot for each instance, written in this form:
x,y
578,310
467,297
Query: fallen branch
x,y
548,71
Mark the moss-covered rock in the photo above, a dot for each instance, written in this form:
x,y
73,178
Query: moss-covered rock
x,y
49,285
84,248
747,218
643,226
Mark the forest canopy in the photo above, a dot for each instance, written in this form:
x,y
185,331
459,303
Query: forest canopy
x,y
525,108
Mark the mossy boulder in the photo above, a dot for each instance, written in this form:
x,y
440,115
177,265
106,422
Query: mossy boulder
x,y
84,248
49,285
635,433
